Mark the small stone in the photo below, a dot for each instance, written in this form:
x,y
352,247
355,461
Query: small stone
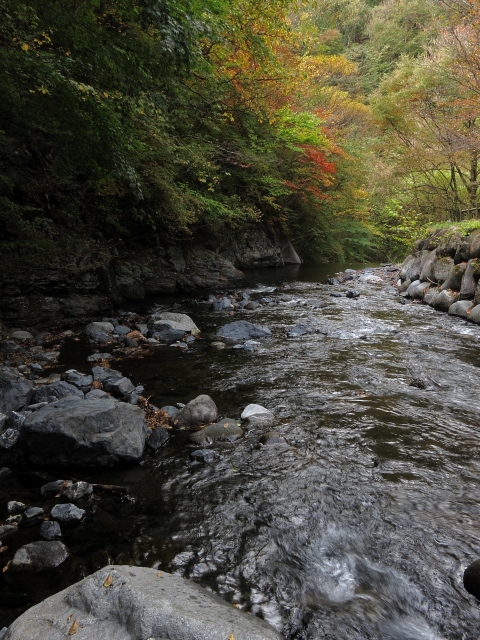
x,y
352,294
201,410
33,512
98,327
95,394
102,373
80,380
122,329
170,411
95,357
218,345
67,513
9,438
251,306
50,530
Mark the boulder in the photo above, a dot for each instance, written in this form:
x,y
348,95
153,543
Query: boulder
x,y
39,556
475,247
420,290
441,270
256,415
201,410
137,603
57,390
226,429
450,243
241,330
445,299
175,321
78,379
428,259
403,288
405,266
413,271
412,288
168,335
474,315
454,280
463,253
476,296
430,296
21,335
77,490
461,308
75,432
469,282
16,391
353,294
102,373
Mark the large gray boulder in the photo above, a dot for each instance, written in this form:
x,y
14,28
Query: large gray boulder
x,y
441,269
241,330
454,280
201,410
137,603
426,266
469,282
76,432
16,392
474,315
461,308
445,299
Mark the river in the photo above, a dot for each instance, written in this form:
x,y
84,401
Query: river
x,y
361,527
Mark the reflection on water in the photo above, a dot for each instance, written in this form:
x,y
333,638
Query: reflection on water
x,y
360,528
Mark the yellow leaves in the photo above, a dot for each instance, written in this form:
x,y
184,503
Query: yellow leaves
x,y
159,574
25,47
231,637
74,628
7,566
108,581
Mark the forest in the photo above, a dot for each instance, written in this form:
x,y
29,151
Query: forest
x,y
349,125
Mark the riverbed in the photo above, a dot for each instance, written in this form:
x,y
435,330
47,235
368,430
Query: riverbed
x,y
361,526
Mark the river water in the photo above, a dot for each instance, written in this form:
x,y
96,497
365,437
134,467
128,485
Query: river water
x,y
362,525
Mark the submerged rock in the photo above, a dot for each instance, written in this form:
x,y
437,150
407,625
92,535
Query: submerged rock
x,y
137,603
158,438
241,330
226,429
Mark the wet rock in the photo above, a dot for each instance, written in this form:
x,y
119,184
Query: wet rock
x,y
3,421
122,386
168,335
471,579
15,391
122,330
426,264
338,294
352,294
298,331
266,300
226,429
175,321
445,299
315,303
57,390
54,488
258,416
141,603
251,306
50,530
272,438
204,456
75,432
454,280
78,490
158,438
39,556
218,345
201,410
15,507
67,513
241,330
332,281
33,513
9,438
9,346
7,532
403,287
461,308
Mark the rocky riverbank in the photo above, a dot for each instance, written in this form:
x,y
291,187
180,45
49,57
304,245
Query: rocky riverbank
x,y
77,279
444,272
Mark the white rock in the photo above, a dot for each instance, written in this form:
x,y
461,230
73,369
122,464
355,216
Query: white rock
x,y
177,321
254,410
97,327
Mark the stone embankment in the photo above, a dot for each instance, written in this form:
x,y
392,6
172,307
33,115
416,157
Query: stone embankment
x,y
444,272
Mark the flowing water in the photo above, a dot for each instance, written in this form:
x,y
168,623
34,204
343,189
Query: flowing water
x,y
361,526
